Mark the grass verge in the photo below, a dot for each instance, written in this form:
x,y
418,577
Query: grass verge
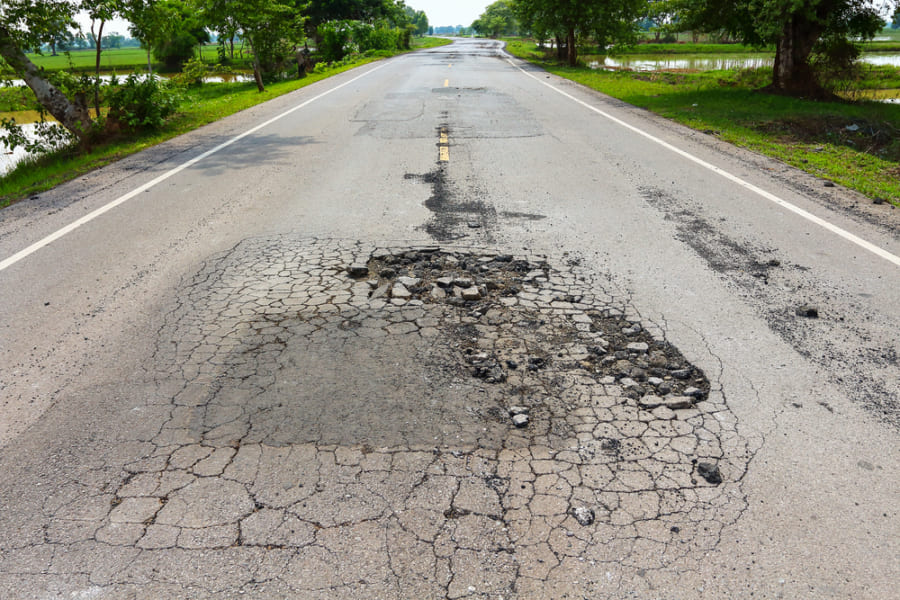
x,y
202,105
855,144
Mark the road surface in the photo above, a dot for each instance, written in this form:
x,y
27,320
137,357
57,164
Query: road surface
x,y
446,326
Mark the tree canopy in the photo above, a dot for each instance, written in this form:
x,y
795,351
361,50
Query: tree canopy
x,y
603,21
798,29
496,20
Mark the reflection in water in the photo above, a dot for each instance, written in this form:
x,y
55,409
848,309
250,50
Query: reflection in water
x,y
705,62
10,158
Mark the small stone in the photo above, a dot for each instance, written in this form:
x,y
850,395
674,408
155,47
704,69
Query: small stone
x,y
520,421
380,292
474,225
678,402
517,410
358,270
585,516
638,347
387,272
658,359
400,292
444,282
681,373
650,401
693,392
372,283
438,293
710,472
809,311
409,281
655,381
463,282
829,184
471,293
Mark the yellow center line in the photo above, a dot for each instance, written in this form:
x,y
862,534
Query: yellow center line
x,y
444,146
446,83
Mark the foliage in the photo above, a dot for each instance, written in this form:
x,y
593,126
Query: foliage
x,y
496,20
342,38
192,73
570,21
174,30
274,29
139,104
46,136
799,30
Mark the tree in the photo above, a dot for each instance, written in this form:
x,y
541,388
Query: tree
x,y
182,29
421,23
604,21
23,23
797,29
496,20
895,24
100,11
148,24
273,28
658,16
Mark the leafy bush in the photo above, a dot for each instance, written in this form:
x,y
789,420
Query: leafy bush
x,y
192,73
335,37
139,104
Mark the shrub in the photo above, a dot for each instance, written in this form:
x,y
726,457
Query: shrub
x,y
139,104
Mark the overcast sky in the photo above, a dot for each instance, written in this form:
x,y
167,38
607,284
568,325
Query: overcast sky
x,y
440,12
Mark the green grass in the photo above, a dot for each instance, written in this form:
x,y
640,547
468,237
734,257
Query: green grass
x,y
811,136
80,60
201,105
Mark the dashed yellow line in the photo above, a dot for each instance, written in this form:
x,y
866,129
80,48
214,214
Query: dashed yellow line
x,y
444,145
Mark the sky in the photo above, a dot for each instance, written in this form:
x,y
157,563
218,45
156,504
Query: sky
x,y
450,12
440,12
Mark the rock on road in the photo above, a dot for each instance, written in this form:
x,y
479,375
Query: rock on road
x,y
446,326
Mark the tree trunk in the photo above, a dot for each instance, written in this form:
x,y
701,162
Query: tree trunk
x,y
792,74
560,48
572,51
99,39
149,64
73,116
257,69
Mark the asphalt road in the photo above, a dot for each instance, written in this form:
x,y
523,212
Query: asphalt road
x,y
198,400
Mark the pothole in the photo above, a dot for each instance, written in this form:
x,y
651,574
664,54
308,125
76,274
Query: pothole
x,y
447,391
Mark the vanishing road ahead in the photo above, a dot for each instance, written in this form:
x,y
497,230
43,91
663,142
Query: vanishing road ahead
x,y
446,326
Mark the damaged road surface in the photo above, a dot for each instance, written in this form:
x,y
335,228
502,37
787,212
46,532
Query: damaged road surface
x,y
338,420
446,335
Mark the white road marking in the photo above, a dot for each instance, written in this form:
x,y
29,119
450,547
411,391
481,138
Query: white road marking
x,y
122,199
893,258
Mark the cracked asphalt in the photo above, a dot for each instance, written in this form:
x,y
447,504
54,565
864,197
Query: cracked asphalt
x,y
442,336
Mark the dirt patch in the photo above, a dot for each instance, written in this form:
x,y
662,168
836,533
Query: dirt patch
x,y
865,136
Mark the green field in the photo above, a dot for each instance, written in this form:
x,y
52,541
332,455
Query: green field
x,y
856,144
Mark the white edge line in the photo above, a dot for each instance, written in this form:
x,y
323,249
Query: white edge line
x,y
733,178
18,256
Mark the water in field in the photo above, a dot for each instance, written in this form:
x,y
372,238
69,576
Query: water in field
x,y
707,62
10,158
